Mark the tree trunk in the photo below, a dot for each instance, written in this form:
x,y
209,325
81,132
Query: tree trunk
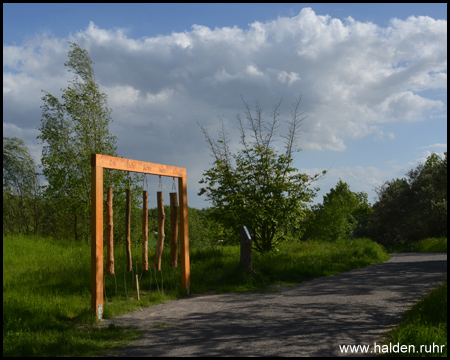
x,y
161,235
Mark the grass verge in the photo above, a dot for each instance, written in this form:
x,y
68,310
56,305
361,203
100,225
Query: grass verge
x,y
46,287
218,269
426,245
424,326
45,293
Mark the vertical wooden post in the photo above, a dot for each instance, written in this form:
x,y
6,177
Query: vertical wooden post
x,y
96,239
98,162
173,229
109,232
161,235
128,229
145,230
184,234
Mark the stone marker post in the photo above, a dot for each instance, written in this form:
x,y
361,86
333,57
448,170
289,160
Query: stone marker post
x,y
246,250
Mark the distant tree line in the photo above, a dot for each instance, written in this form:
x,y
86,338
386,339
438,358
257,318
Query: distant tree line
x,y
407,210
412,208
258,187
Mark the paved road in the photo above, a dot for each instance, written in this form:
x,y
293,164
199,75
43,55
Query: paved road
x,y
309,319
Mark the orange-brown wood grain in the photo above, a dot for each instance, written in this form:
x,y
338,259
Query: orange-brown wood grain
x,y
98,162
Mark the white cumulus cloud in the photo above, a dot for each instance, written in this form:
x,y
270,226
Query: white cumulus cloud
x,y
354,77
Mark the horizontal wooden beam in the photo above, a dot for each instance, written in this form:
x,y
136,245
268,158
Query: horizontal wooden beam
x,y
115,163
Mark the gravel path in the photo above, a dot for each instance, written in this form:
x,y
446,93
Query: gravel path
x,y
309,319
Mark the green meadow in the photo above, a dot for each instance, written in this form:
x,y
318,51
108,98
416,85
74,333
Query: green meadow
x,y
46,287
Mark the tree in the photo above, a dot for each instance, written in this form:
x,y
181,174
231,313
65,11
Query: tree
x,y
428,183
71,130
412,208
204,230
256,186
343,214
20,187
388,222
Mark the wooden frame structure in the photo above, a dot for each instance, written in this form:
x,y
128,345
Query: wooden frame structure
x,y
98,163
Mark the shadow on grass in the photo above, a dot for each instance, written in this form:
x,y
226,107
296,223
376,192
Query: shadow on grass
x,y
57,339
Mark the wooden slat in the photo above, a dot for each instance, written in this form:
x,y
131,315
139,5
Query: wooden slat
x,y
111,162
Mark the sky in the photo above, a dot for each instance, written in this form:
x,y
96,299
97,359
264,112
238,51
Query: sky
x,y
372,77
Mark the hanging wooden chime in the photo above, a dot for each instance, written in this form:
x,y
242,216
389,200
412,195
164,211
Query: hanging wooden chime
x,y
161,235
145,230
127,227
109,233
173,229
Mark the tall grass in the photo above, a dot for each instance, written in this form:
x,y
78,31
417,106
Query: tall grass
x,y
46,287
46,297
430,245
424,324
154,286
424,245
217,269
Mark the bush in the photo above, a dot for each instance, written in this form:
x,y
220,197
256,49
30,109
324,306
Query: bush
x,y
343,214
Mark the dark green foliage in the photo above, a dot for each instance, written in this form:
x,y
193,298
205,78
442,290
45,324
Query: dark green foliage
x,y
204,230
343,214
21,190
414,208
